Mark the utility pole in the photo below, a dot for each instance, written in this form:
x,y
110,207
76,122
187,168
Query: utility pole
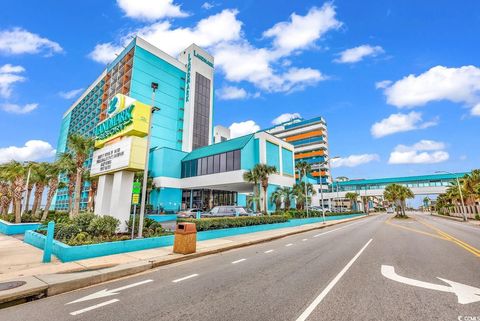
x,y
154,86
464,210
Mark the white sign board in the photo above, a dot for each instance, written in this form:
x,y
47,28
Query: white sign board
x,y
112,157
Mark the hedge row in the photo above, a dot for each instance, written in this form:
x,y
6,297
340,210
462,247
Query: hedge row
x,y
206,224
312,213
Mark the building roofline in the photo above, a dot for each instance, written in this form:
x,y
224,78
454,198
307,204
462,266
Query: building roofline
x,y
403,179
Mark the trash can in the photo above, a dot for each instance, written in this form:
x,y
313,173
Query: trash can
x,y
185,238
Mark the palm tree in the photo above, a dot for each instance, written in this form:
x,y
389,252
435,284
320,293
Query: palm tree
x,y
276,198
41,180
67,164
426,202
287,195
469,186
5,193
398,194
299,193
15,173
252,177
31,183
263,172
53,172
352,196
80,146
304,169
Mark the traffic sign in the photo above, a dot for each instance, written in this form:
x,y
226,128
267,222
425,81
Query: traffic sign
x,y
136,188
135,199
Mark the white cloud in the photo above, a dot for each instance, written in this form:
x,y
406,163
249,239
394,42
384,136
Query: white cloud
x,y
302,31
285,117
32,150
8,77
231,93
357,54
235,56
243,128
150,10
71,93
383,84
18,109
208,5
17,41
397,123
354,160
459,85
105,52
422,152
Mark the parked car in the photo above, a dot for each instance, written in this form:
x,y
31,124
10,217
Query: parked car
x,y
390,210
227,211
188,213
319,208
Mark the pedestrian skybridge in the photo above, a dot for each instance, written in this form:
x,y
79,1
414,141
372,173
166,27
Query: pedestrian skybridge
x,y
420,185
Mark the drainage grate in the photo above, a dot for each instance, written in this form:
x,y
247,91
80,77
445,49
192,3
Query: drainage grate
x,y
11,285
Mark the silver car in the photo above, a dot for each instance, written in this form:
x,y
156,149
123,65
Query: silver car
x,y
226,211
188,213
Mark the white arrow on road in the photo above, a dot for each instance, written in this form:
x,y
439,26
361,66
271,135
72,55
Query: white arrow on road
x,y
105,292
465,293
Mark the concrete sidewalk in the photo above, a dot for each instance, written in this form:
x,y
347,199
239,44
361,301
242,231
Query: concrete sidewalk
x,y
56,277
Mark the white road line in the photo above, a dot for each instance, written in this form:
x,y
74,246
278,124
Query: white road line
x,y
93,307
289,244
337,229
330,286
238,261
304,240
185,278
269,251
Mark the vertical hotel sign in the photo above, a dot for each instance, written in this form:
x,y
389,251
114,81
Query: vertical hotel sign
x,y
187,86
120,137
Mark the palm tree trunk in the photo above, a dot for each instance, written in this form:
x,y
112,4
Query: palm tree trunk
x,y
52,189
37,197
78,192
18,209
27,202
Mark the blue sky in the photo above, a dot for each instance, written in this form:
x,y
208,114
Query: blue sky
x,y
397,81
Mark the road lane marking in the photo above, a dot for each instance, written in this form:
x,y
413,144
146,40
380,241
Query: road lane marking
x,y
412,229
238,261
185,278
465,293
93,307
269,251
289,244
106,292
304,240
337,229
330,286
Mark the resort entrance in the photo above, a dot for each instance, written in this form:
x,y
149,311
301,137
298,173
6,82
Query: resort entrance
x,y
205,199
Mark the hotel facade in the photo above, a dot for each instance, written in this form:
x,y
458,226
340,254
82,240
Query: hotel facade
x,y
187,168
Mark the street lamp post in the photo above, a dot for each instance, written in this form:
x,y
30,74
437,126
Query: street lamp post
x,y
26,190
464,212
321,185
154,86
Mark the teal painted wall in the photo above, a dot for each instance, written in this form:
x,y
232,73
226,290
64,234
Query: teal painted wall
x,y
287,161
247,153
167,124
166,162
169,199
273,157
62,139
242,199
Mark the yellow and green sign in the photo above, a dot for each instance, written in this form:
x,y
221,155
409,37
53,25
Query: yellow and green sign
x,y
126,117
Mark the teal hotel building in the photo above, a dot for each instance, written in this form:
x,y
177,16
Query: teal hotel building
x,y
188,170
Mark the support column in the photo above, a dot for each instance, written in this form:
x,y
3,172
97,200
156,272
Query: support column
x,y
121,197
104,195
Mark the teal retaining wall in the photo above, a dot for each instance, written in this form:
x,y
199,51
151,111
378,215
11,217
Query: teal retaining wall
x,y
163,218
8,228
67,253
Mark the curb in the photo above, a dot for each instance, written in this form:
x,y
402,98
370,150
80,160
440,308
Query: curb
x,y
41,286
453,218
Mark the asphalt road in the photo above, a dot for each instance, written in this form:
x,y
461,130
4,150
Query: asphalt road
x,y
329,274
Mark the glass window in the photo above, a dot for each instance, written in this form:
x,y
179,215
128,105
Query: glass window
x,y
229,161
223,162
216,163
236,159
204,166
210,165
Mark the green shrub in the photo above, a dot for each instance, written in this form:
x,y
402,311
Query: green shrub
x,y
293,213
206,224
83,221
81,238
477,216
103,226
65,231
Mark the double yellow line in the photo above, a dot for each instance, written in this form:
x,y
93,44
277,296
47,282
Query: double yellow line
x,y
440,235
453,239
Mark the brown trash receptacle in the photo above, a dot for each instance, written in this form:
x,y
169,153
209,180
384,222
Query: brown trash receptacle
x,y
185,238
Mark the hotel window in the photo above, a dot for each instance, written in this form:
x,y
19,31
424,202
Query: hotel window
x,y
218,163
201,108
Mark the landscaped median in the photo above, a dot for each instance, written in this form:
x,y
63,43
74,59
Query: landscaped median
x,y
8,228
